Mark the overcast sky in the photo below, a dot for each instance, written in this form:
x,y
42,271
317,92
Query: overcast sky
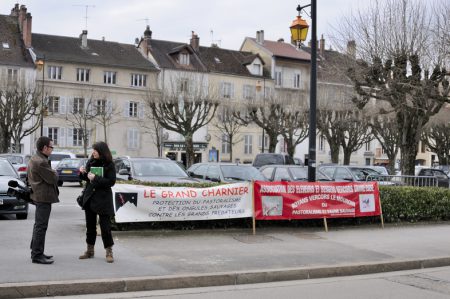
x,y
229,20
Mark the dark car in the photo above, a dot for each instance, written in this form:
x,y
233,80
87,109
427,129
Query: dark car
x,y
68,170
438,176
290,173
350,173
10,204
271,159
159,170
224,172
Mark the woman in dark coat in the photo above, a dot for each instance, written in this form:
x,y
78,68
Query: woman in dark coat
x,y
97,198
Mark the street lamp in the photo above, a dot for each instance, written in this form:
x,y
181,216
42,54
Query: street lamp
x,y
40,64
299,30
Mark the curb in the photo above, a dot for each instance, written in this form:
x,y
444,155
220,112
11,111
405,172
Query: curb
x,y
135,284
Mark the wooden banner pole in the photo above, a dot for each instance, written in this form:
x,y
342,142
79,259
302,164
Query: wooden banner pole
x,y
381,216
253,208
325,224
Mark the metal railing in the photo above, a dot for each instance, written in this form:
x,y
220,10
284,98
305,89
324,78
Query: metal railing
x,y
404,180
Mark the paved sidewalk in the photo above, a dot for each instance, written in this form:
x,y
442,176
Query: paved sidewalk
x,y
175,259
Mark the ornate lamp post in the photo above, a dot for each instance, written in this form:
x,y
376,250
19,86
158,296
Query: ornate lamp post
x,y
40,64
299,31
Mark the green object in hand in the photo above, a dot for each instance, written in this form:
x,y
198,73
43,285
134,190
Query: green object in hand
x,y
98,171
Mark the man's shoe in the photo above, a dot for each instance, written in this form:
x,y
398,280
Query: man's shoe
x,y
47,256
42,260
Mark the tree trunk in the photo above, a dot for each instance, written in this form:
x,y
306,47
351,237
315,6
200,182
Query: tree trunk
x,y
231,137
189,150
272,142
290,148
104,132
408,158
347,156
334,154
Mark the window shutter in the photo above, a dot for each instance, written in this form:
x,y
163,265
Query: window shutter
x,y
62,137
109,107
222,89
231,91
126,108
129,138
137,136
45,131
69,137
141,110
70,106
62,105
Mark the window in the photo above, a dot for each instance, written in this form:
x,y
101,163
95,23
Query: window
x,y
266,142
297,80
257,69
278,78
54,72
249,92
83,75
5,45
53,104
77,137
226,90
133,109
13,76
183,85
321,143
109,77
78,106
53,134
248,146
184,58
225,144
138,80
133,138
100,106
368,147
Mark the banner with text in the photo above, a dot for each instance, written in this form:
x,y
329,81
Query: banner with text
x,y
138,203
308,200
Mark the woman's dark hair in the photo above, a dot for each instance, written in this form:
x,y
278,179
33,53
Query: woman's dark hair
x,y
103,151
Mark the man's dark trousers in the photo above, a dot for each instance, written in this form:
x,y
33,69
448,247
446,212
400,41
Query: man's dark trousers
x,y
42,216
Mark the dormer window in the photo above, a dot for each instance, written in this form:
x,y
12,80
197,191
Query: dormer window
x,y
5,45
257,69
217,60
184,58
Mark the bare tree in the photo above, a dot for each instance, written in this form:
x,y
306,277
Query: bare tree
x,y
184,106
20,105
436,136
295,127
394,67
82,112
355,132
105,114
152,126
229,126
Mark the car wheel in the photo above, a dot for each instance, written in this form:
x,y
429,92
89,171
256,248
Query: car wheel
x,y
60,183
22,216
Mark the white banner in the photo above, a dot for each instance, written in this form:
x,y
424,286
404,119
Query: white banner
x,y
138,203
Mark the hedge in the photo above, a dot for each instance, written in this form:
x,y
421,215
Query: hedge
x,y
414,204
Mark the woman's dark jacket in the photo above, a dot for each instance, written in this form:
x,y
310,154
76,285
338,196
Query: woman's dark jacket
x,y
98,193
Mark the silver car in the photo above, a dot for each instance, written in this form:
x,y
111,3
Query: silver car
x,y
19,162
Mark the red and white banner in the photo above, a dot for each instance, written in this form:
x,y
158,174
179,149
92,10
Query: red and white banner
x,y
308,200
137,203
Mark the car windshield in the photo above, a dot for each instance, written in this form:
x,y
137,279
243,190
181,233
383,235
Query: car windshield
x,y
301,174
241,173
157,168
69,163
6,169
361,173
268,160
15,159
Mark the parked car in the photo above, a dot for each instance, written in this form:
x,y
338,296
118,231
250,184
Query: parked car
x,y
160,170
19,162
68,170
56,157
272,158
290,173
10,204
350,173
224,172
439,175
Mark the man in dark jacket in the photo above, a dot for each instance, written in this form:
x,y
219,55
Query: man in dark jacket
x,y
43,180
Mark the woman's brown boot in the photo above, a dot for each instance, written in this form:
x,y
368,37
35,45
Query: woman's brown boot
x,y
109,255
89,253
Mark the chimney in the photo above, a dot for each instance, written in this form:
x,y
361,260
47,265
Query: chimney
x,y
15,10
22,15
257,37
83,37
195,42
146,41
322,45
351,48
26,30
261,37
